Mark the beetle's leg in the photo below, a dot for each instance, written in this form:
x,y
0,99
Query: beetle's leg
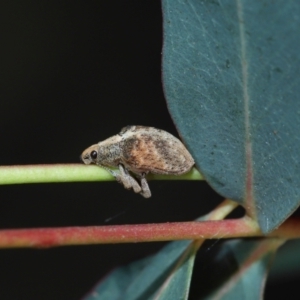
x,y
145,187
123,178
118,176
127,180
113,173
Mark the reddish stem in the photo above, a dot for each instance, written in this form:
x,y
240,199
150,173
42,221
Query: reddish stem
x,y
49,237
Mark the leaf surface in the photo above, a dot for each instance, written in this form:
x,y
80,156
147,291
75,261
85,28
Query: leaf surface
x,y
165,275
238,269
231,79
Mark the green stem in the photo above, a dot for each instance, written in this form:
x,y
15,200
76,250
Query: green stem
x,y
70,173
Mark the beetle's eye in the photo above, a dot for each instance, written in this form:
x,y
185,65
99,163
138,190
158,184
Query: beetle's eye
x,y
94,154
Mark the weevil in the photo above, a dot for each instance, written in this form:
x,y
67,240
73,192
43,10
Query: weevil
x,y
140,150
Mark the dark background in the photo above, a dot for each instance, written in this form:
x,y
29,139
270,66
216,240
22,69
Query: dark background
x,y
72,74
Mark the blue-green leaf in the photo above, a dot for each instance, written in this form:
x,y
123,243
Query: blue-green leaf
x,y
165,275
240,268
287,262
231,79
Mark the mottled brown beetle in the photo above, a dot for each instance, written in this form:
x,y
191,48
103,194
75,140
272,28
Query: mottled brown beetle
x,y
140,150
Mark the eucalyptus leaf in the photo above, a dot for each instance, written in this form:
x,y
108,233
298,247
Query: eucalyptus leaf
x,y
165,275
231,79
236,270
287,262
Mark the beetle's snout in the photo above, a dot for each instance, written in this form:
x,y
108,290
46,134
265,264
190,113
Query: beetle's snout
x,y
86,157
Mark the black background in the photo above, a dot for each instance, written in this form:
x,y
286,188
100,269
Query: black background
x,y
72,74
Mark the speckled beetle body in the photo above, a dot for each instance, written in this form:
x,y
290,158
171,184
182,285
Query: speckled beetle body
x,y
141,150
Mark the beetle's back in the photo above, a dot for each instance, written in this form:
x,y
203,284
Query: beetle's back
x,y
147,149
